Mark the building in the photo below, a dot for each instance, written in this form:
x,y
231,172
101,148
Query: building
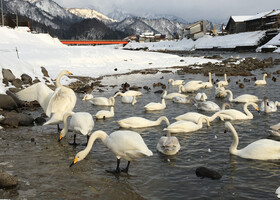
x,y
195,30
262,21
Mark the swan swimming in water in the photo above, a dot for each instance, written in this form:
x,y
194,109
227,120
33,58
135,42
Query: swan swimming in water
x,y
191,86
244,98
105,114
261,82
54,103
168,145
186,126
99,101
209,83
179,99
80,122
263,149
219,92
128,145
171,95
155,106
176,82
140,122
275,130
269,106
206,105
194,117
128,93
201,96
233,114
223,83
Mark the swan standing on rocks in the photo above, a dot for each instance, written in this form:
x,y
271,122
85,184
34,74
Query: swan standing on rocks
x,y
176,82
223,83
186,126
105,114
171,95
244,98
209,83
168,145
194,117
232,114
54,103
263,149
191,86
99,101
269,106
80,122
261,82
155,106
140,122
128,145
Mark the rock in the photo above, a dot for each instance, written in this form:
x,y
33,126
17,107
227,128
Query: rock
x,y
13,119
17,83
7,74
11,122
40,120
45,72
209,173
36,80
7,181
15,98
7,102
26,79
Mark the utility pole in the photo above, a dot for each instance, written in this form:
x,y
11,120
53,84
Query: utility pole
x,y
2,14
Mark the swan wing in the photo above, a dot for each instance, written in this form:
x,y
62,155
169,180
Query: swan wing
x,y
82,122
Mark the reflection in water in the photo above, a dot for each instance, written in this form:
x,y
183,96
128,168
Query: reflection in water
x,y
43,163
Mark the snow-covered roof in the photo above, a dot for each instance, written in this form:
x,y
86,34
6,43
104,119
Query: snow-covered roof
x,y
241,18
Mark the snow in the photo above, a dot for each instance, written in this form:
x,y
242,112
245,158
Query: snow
x,y
273,43
241,18
25,52
206,42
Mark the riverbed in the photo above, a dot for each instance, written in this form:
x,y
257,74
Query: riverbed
x,y
41,163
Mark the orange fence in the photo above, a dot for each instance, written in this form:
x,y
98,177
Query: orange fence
x,y
93,42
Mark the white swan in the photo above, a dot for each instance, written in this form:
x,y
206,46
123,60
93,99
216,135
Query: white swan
x,y
232,114
105,114
128,93
191,86
201,96
223,83
219,92
140,122
176,82
244,98
261,82
275,130
155,106
194,117
179,99
99,101
206,105
54,103
80,122
278,192
263,149
129,99
128,145
209,83
269,106
186,126
171,95
168,145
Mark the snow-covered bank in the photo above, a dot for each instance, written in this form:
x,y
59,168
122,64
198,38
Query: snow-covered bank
x,y
24,52
247,39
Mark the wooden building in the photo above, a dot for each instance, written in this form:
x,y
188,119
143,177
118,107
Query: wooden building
x,y
196,30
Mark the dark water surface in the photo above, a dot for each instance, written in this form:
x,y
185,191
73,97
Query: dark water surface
x,y
42,165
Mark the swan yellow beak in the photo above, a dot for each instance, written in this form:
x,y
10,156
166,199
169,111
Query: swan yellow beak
x,y
74,162
60,136
69,73
258,109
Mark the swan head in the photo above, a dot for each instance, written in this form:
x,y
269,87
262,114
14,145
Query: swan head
x,y
62,134
79,156
170,80
88,97
65,72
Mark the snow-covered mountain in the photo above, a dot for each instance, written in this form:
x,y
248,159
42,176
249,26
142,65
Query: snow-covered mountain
x,y
137,25
90,14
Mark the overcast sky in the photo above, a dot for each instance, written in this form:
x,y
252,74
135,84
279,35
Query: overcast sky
x,y
189,10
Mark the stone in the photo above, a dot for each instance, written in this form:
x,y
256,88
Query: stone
x,y
26,79
45,72
7,180
17,83
15,98
40,120
7,102
7,74
13,119
209,173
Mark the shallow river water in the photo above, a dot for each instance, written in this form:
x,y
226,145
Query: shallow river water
x,y
41,163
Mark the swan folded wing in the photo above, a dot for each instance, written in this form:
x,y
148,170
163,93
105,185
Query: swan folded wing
x,y
62,100
275,127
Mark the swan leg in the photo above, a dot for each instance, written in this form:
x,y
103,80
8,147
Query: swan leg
x,y
73,143
126,169
117,170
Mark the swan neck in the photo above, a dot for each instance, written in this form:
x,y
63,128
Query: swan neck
x,y
57,82
235,141
118,93
203,118
163,118
230,95
95,135
264,77
225,75
65,123
248,113
210,79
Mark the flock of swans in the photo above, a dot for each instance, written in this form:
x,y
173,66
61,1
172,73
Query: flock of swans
x,y
128,144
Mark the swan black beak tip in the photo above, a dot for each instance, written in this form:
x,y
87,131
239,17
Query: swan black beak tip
x,y
72,164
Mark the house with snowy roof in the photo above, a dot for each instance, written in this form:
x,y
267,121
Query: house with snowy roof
x,y
262,21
